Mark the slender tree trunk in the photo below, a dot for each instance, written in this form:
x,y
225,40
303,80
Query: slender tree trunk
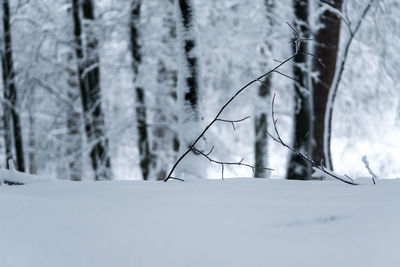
x,y
10,96
264,93
6,118
141,110
89,80
298,168
188,86
326,48
32,132
261,124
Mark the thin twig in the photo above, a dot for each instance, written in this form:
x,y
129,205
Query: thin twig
x,y
233,121
287,76
319,60
179,179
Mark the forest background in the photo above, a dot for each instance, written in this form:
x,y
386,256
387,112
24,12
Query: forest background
x,y
237,42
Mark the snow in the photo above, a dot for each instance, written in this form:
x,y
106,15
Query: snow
x,y
13,176
235,222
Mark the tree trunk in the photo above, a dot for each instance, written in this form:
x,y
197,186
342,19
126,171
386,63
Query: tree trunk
x,y
6,118
261,124
326,49
32,132
89,80
141,110
298,168
188,87
11,116
261,116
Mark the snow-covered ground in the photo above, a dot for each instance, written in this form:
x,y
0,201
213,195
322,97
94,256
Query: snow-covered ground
x,y
235,222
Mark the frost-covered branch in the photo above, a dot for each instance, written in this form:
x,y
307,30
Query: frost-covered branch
x,y
316,166
366,163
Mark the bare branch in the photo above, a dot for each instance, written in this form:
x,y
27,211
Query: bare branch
x,y
278,139
216,118
319,60
298,40
287,76
296,34
178,179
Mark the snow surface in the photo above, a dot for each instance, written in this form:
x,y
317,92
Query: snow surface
x,y
235,222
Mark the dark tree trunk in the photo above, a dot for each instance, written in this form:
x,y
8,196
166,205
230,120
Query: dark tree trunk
x,y
11,116
89,80
191,96
141,111
261,116
7,118
298,168
326,48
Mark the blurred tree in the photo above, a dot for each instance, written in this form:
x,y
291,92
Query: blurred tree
x,y
165,142
89,81
141,109
188,84
74,141
263,100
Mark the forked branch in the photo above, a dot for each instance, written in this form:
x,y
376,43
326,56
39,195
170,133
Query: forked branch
x,y
223,163
278,139
233,121
216,118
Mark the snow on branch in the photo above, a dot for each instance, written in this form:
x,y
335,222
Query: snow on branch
x,y
13,177
318,167
366,163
